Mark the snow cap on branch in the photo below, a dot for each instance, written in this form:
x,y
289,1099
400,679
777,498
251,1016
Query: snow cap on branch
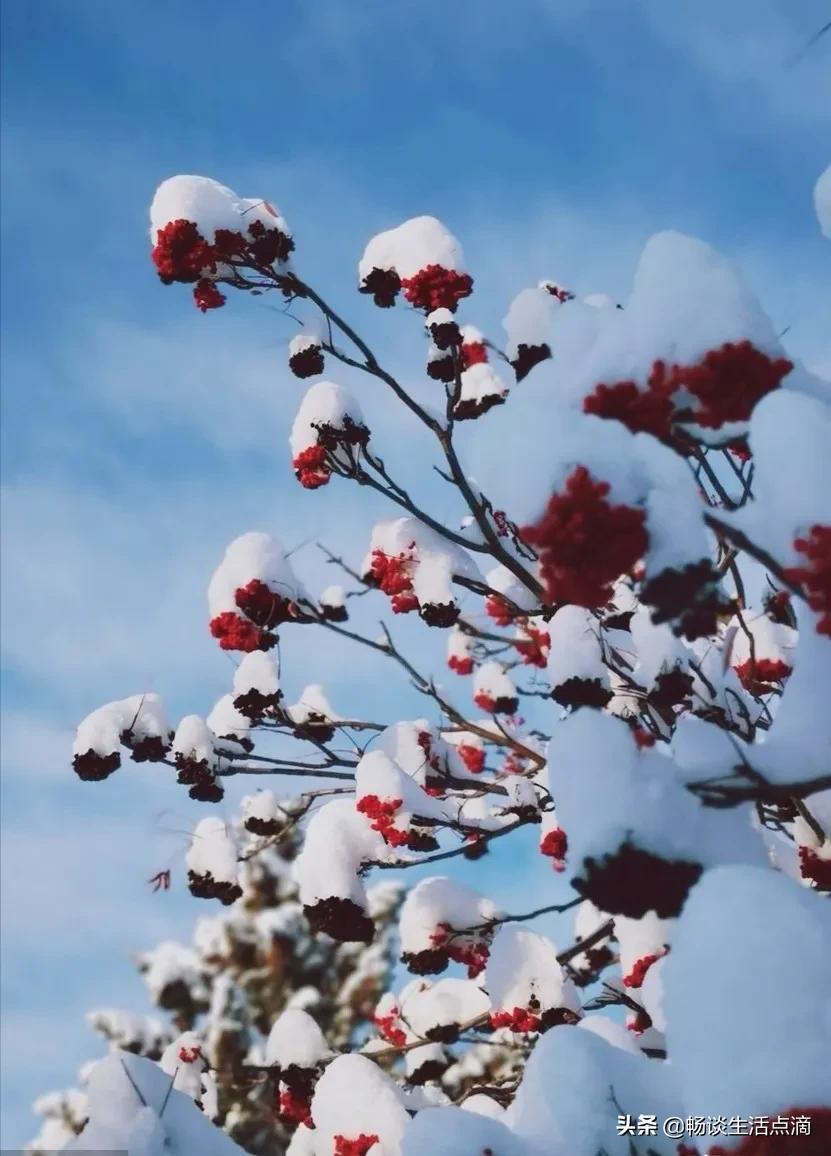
x,y
295,1040
252,590
421,257
528,326
256,684
327,434
357,1110
443,920
745,937
415,566
338,842
138,723
494,690
526,984
126,1095
212,862
638,840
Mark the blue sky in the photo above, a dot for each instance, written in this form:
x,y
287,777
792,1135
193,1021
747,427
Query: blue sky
x,y
553,136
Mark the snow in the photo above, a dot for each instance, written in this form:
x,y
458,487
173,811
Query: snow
x,y
303,341
435,561
456,1132
183,1061
255,555
608,792
529,319
790,436
565,1106
657,649
523,965
380,776
439,900
133,1108
257,671
501,579
822,202
410,247
333,596
612,1032
325,405
446,1003
338,840
748,1003
134,1033
171,963
481,387
263,805
797,745
575,647
494,690
210,206
401,742
312,705
194,740
212,851
296,1040
226,721
353,1097
141,714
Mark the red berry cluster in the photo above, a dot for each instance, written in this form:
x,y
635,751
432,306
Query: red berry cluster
x,y
181,253
190,1055
640,967
586,543
461,664
390,574
311,468
639,1023
518,1020
471,953
534,647
644,739
206,295
761,675
359,1146
647,410
387,1026
307,362
816,575
473,353
726,384
265,608
382,812
812,867
558,291
234,633
497,608
472,757
435,287
554,845
294,1109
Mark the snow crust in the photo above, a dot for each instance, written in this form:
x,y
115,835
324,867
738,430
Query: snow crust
x,y
748,1004
132,1108
410,247
213,851
255,555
